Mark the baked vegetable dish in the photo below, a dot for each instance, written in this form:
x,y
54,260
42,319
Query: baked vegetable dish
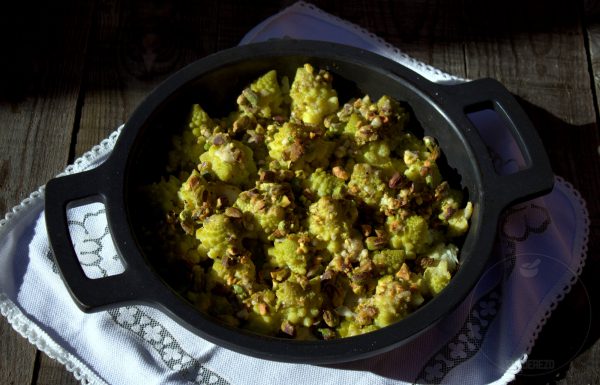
x,y
295,216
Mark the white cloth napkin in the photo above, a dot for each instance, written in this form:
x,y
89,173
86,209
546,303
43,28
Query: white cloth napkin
x,y
540,252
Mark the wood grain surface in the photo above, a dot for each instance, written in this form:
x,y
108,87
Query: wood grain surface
x,y
74,71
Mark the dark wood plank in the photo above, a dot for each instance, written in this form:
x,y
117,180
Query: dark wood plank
x,y
539,54
427,30
128,56
52,372
39,96
593,35
40,75
584,369
17,357
131,52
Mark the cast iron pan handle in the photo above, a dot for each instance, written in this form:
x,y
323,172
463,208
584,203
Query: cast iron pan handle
x,y
89,294
536,175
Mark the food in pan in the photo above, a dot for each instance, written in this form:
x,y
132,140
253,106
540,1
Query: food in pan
x,y
297,217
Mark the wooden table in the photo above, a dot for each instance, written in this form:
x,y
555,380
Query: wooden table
x,y
73,71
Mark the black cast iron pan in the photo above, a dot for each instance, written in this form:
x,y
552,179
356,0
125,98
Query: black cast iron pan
x,y
213,82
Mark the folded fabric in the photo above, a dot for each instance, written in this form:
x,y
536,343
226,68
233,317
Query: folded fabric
x,y
539,254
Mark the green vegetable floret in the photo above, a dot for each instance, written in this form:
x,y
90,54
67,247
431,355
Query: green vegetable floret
x,y
295,147
442,263
436,278
388,261
312,95
411,234
331,221
455,217
194,195
378,154
268,211
177,245
292,252
363,121
393,298
234,271
366,184
265,97
164,194
422,166
187,147
322,184
299,300
261,312
443,252
230,162
200,123
218,235
201,199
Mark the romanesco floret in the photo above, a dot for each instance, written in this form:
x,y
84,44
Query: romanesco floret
x,y
445,252
186,151
291,252
421,171
388,261
363,121
240,274
218,234
323,184
453,215
268,211
262,314
312,95
194,196
354,122
436,278
164,194
295,147
411,235
217,304
299,299
388,304
391,300
458,223
264,97
378,154
349,328
331,221
188,146
199,122
366,184
230,162
201,199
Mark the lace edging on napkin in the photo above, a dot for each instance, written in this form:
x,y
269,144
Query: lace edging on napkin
x,y
517,366
574,194
15,317
37,337
80,164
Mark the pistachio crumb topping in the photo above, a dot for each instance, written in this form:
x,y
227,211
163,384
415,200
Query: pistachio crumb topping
x,y
301,217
